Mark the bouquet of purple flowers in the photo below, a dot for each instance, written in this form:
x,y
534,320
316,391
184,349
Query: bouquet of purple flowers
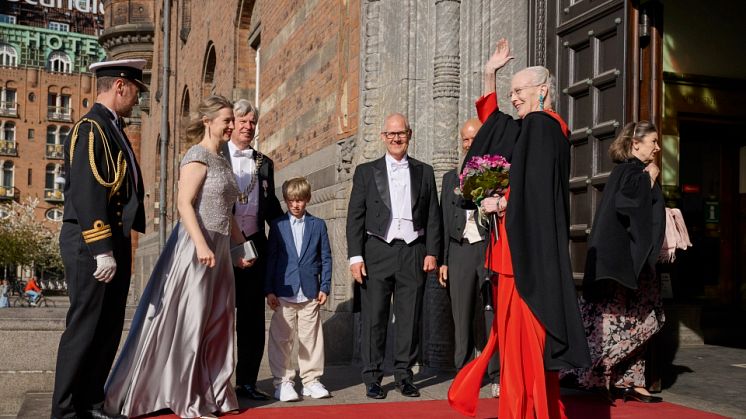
x,y
484,176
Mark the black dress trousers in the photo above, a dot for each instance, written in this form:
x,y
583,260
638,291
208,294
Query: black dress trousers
x,y
396,269
94,323
250,323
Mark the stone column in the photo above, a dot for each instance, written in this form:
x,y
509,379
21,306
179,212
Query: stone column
x,y
446,78
437,323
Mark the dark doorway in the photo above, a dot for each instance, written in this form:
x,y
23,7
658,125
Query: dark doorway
x,y
710,273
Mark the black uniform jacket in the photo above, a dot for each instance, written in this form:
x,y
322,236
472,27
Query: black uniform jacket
x,y
454,208
370,205
537,222
628,228
269,206
103,186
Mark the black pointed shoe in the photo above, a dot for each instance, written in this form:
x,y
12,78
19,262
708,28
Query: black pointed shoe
x,y
374,391
407,389
251,392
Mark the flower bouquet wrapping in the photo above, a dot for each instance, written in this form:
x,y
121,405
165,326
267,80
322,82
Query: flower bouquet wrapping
x,y
484,176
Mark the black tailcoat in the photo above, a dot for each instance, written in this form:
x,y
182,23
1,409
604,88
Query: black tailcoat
x,y
250,281
370,205
628,227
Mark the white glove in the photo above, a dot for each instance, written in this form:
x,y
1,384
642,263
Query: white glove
x,y
106,266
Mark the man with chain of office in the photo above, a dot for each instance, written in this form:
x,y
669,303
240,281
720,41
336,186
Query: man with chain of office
x,y
256,205
103,204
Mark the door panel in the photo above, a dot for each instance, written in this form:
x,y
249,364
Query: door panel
x,y
590,63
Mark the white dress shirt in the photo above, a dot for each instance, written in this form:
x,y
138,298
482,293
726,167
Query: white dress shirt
x,y
298,228
244,167
400,193
471,231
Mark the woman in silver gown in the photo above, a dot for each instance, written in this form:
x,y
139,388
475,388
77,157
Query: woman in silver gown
x,y
179,351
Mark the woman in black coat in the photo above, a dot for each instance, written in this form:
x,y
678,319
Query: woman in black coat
x,y
621,304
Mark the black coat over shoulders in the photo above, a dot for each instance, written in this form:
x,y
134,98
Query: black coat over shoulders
x,y
537,222
628,227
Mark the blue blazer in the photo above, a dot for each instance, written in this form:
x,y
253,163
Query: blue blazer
x,y
312,271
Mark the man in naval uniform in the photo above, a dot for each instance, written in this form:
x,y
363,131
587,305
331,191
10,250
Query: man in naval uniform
x,y
103,204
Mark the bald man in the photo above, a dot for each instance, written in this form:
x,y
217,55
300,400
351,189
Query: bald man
x,y
463,272
393,240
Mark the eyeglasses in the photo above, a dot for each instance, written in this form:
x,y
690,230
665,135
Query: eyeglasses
x,y
518,91
393,134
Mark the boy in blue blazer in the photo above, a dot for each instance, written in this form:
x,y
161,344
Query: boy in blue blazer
x,y
299,275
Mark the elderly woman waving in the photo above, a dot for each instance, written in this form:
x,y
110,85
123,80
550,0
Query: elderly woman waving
x,y
538,325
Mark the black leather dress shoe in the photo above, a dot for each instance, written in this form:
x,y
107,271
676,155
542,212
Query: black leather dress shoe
x,y
407,389
374,391
251,392
100,414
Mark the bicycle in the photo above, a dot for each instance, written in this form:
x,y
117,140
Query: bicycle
x,y
25,300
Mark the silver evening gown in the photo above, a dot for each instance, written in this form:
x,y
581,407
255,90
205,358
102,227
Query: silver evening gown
x,y
179,351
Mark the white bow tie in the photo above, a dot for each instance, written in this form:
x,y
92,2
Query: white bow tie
x,y
246,153
399,166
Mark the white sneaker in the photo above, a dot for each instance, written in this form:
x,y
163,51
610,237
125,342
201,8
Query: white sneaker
x,y
495,390
286,393
316,390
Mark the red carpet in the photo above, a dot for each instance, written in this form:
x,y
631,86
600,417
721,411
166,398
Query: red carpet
x,y
577,408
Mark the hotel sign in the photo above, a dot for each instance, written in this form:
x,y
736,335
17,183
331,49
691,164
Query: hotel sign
x,y
84,6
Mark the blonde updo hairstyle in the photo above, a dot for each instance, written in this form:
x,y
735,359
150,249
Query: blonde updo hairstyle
x,y
208,108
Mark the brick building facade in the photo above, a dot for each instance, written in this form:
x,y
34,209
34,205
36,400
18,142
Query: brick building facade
x,y
45,87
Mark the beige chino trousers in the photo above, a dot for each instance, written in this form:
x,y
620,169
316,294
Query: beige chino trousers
x,y
289,320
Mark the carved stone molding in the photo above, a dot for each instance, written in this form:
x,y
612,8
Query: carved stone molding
x,y
538,37
369,113
446,85
127,34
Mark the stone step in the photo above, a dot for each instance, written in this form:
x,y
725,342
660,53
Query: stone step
x,y
35,406
29,338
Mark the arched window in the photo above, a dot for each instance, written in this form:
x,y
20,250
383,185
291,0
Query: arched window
x,y
52,134
8,56
60,62
51,174
208,73
52,188
55,138
8,105
7,178
8,132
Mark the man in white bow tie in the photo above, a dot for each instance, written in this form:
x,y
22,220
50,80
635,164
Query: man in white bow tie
x,y
393,241
257,204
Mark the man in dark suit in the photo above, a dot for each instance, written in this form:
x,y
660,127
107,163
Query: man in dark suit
x,y
463,271
256,204
103,204
393,240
